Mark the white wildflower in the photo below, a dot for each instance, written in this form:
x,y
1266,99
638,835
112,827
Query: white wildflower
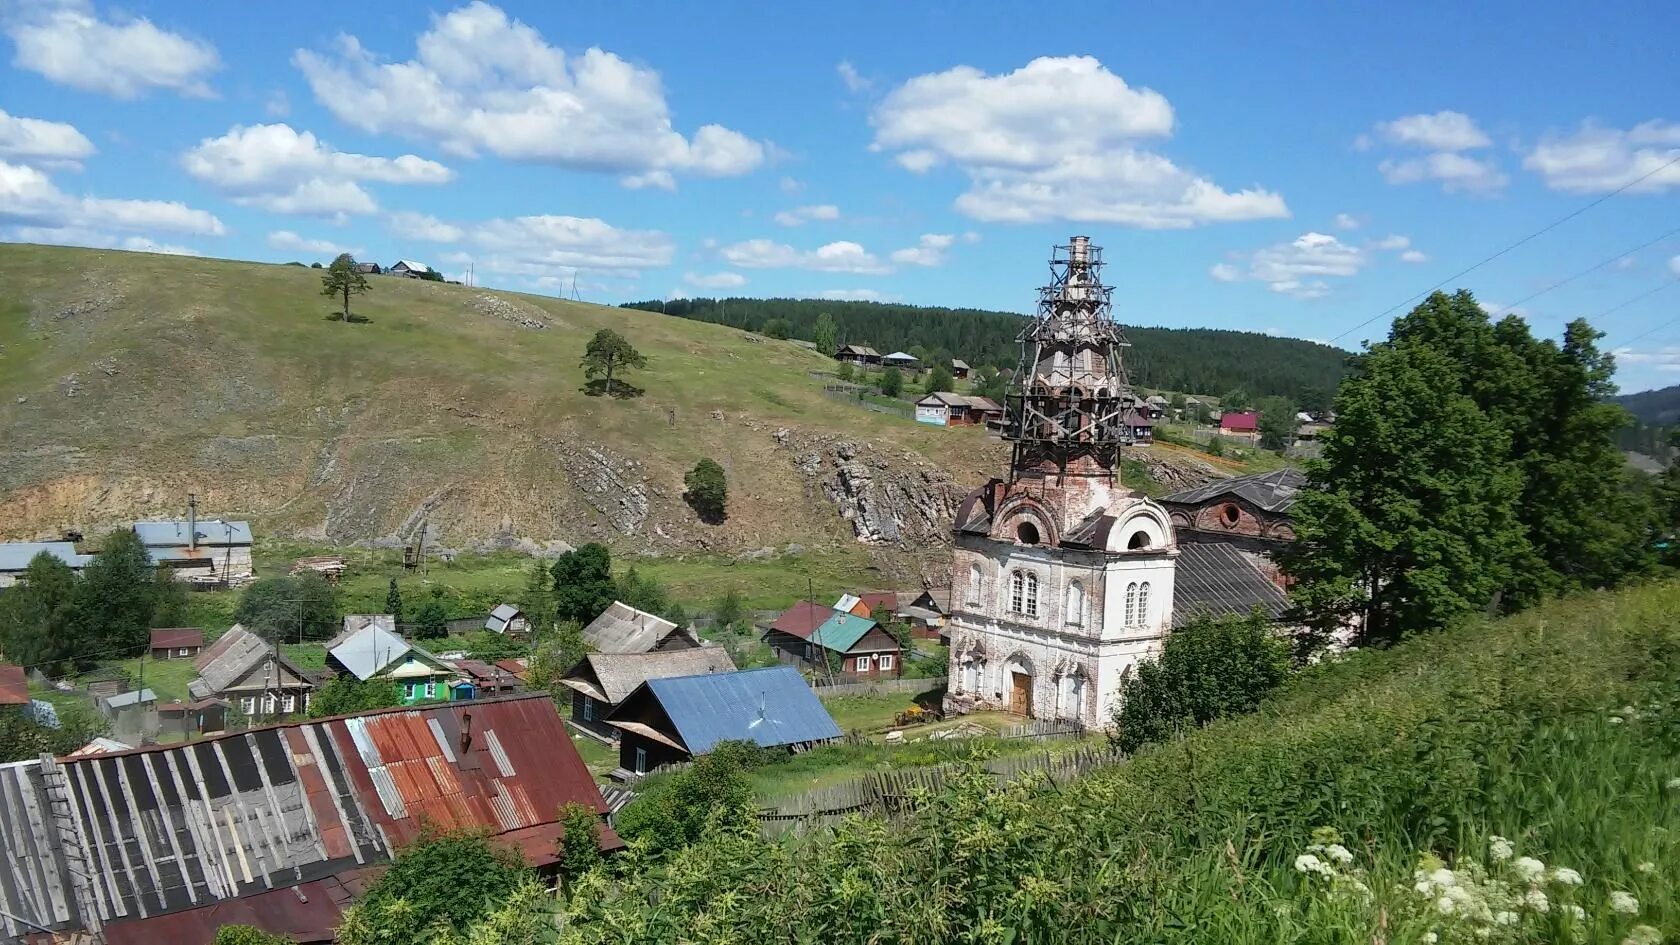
x,y
1565,876
1307,863
1643,935
1615,720
1624,903
1646,867
1459,894
1528,868
1499,848
1430,938
1577,913
1338,854
1444,877
1674,784
1505,918
1445,906
1630,711
1536,900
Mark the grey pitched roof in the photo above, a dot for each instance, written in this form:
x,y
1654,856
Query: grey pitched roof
x,y
624,629
16,555
500,618
123,700
369,648
1273,491
1213,579
210,531
236,653
771,706
620,673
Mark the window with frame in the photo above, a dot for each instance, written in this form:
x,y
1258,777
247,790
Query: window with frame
x,y
408,690
1032,595
1131,604
1143,603
886,662
588,709
288,703
641,761
1023,593
183,651
431,690
862,664
268,704
248,705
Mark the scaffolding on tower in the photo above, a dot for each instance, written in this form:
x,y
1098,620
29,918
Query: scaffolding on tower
x,y
1068,404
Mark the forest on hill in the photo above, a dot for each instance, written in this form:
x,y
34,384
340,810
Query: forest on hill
x,y
1660,407
1196,360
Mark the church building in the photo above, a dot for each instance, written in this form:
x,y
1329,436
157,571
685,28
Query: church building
x,y
1063,578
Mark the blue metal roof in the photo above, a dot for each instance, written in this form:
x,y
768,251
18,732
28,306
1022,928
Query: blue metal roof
x,y
210,531
15,555
771,706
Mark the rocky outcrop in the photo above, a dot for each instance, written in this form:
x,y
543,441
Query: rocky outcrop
x,y
612,485
1181,471
892,498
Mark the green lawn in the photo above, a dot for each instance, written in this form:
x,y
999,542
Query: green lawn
x,y
167,678
601,759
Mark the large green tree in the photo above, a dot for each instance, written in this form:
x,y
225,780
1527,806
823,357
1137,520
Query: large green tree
x,y
607,354
826,334
583,583
1409,520
117,595
1277,422
431,621
344,694
341,280
39,623
1206,670
707,491
287,606
939,380
442,881
892,382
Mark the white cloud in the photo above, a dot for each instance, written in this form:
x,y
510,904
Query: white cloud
x,y
841,256
675,294
279,169
1393,241
549,251
482,82
660,180
68,43
28,197
799,215
1626,263
48,142
419,226
716,280
970,237
928,251
1297,268
278,104
854,295
286,239
1442,131
1414,256
1661,359
1456,172
1347,221
77,236
849,75
1597,160
791,185
1054,140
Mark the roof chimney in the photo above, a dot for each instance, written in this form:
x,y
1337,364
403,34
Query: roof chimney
x,y
192,520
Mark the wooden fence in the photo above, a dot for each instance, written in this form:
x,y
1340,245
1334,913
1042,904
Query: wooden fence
x,y
1043,728
877,688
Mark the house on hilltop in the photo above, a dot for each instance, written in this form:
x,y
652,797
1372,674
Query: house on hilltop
x,y
409,268
177,643
600,681
624,629
674,719
247,671
858,354
902,360
368,269
16,555
277,827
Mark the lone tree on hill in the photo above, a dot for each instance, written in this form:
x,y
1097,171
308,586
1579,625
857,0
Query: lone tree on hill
x,y
607,353
341,280
708,492
826,334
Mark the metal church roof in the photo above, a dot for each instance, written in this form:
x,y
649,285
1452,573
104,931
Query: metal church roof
x,y
1213,579
771,706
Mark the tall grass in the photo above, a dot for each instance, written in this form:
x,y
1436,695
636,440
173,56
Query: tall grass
x,y
1520,729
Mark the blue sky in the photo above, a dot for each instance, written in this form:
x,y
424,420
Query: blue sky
x,y
1288,168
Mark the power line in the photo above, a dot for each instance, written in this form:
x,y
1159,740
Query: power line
x,y
1537,233
1586,272
1650,331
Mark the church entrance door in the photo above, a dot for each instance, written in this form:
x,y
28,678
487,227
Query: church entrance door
x,y
1020,694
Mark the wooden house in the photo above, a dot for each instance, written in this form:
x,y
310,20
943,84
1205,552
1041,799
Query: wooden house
x,y
954,410
808,635
247,671
624,629
674,719
409,268
1139,424
191,719
902,360
368,269
370,648
1157,406
925,612
600,681
959,369
132,713
508,620
177,643
862,355
1240,424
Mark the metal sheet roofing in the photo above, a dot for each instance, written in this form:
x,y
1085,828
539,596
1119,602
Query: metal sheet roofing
x,y
1215,580
123,700
841,632
624,629
230,658
174,638
618,674
771,706
366,651
166,829
802,618
208,531
14,687
500,618
1273,491
16,555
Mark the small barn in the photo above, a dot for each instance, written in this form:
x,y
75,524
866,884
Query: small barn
x,y
676,718
858,354
600,681
507,619
16,555
177,643
624,629
959,369
902,360
1157,406
409,268
194,718
131,713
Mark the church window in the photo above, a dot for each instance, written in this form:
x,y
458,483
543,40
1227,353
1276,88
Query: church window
x,y
1023,593
1143,603
1075,604
1139,540
974,584
1229,515
1032,595
1131,604
1027,532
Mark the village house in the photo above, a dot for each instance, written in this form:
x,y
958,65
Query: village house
x,y
901,360
279,826
861,355
368,269
368,647
16,555
924,611
132,713
832,643
207,551
1309,428
409,268
507,619
1139,424
247,671
954,410
177,643
959,369
674,719
624,629
14,686
876,604
517,668
600,681
1156,406
191,719
1240,425
481,680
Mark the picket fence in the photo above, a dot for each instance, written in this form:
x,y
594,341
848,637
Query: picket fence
x,y
877,688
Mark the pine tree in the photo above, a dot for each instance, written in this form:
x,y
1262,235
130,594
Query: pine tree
x,y
393,603
607,354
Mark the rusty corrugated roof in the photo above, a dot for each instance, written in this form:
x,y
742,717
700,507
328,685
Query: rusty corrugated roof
x,y
14,688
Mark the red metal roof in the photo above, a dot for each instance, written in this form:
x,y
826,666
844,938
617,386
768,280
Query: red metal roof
x,y
517,668
1239,420
175,638
306,913
802,619
14,688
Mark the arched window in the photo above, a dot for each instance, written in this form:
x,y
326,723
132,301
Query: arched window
x,y
1143,603
1031,595
974,584
1072,695
1017,592
1139,540
1027,532
1131,604
1075,608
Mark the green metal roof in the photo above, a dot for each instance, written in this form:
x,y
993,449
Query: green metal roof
x,y
841,632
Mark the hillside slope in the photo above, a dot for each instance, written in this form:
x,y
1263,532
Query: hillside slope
x,y
129,380
1656,407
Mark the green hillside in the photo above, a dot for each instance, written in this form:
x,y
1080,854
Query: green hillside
x,y
1195,360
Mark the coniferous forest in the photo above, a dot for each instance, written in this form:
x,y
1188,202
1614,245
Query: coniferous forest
x,y
1195,360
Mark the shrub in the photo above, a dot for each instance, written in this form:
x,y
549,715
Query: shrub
x,y
708,491
447,879
1207,670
